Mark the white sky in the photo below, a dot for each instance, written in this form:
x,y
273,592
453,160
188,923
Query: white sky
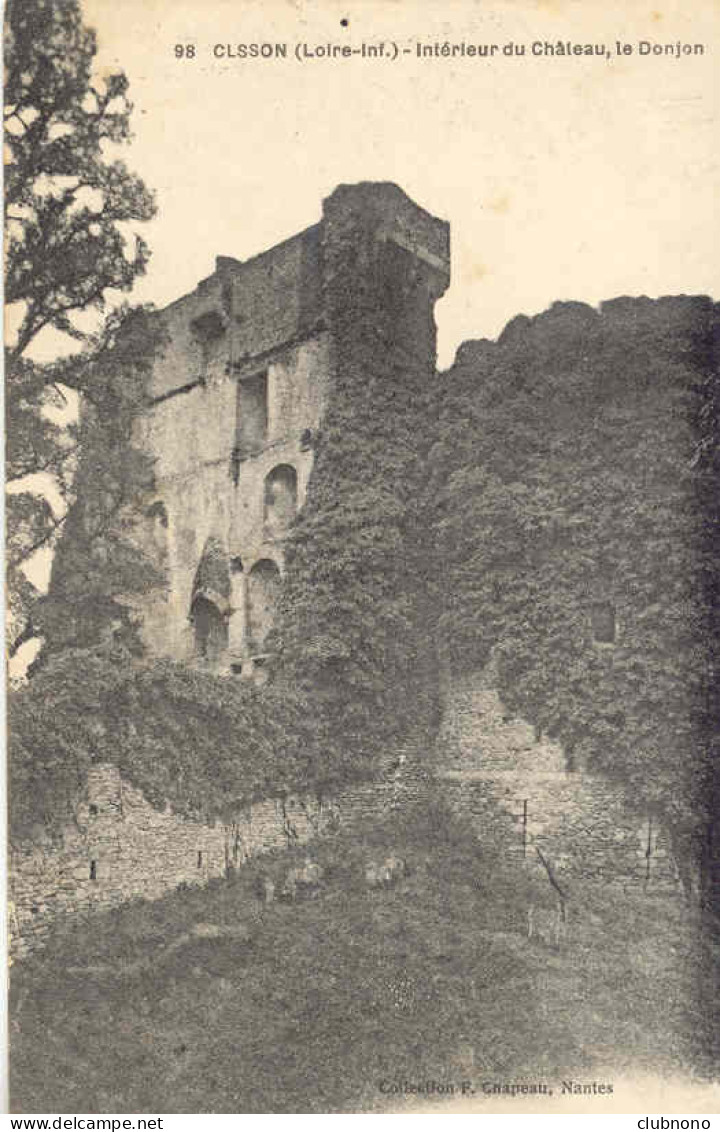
x,y
564,178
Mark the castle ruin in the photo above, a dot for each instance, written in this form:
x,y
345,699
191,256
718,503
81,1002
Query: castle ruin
x,y
238,400
238,403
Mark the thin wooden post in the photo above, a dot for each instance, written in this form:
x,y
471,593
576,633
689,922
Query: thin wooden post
x,y
524,834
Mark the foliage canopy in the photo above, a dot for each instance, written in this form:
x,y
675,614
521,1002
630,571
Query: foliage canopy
x,y
71,212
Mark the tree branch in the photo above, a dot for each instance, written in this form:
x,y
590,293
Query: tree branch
x,y
553,881
36,468
26,634
27,554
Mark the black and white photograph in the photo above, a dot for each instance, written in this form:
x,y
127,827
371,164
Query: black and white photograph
x,y
362,454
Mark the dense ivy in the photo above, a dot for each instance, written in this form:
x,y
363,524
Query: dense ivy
x,y
356,627
576,467
204,744
98,567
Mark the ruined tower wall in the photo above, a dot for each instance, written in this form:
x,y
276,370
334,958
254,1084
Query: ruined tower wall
x,y
255,356
207,495
246,346
330,332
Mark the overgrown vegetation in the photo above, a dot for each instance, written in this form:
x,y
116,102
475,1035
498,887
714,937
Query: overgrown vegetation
x,y
356,629
60,721
550,506
203,743
99,569
71,214
575,498
432,979
533,528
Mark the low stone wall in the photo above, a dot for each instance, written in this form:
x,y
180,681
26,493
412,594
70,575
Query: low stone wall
x,y
121,848
488,767
579,823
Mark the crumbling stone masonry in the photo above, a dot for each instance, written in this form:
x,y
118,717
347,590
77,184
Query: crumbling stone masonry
x,y
121,848
238,400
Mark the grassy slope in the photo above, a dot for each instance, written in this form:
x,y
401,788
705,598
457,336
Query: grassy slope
x,y
333,995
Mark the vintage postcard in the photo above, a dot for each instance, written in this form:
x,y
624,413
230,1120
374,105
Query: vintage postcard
x,y
362,458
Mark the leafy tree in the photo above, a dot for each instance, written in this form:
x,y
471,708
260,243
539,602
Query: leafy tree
x,y
69,214
103,562
65,201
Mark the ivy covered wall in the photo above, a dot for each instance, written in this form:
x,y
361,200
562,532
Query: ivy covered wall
x,y
574,499
356,631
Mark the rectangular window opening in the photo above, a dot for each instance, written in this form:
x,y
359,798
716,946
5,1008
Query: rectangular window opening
x,y
252,415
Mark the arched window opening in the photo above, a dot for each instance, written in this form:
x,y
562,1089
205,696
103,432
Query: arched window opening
x,y
263,595
208,327
280,499
156,518
212,577
157,511
208,330
211,630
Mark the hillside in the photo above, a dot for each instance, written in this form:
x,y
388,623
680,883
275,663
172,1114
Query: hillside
x,y
316,1005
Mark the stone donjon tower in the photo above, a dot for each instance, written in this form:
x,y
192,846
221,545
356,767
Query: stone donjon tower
x,y
239,395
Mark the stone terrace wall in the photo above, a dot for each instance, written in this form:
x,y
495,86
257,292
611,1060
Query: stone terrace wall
x,y
497,771
121,848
